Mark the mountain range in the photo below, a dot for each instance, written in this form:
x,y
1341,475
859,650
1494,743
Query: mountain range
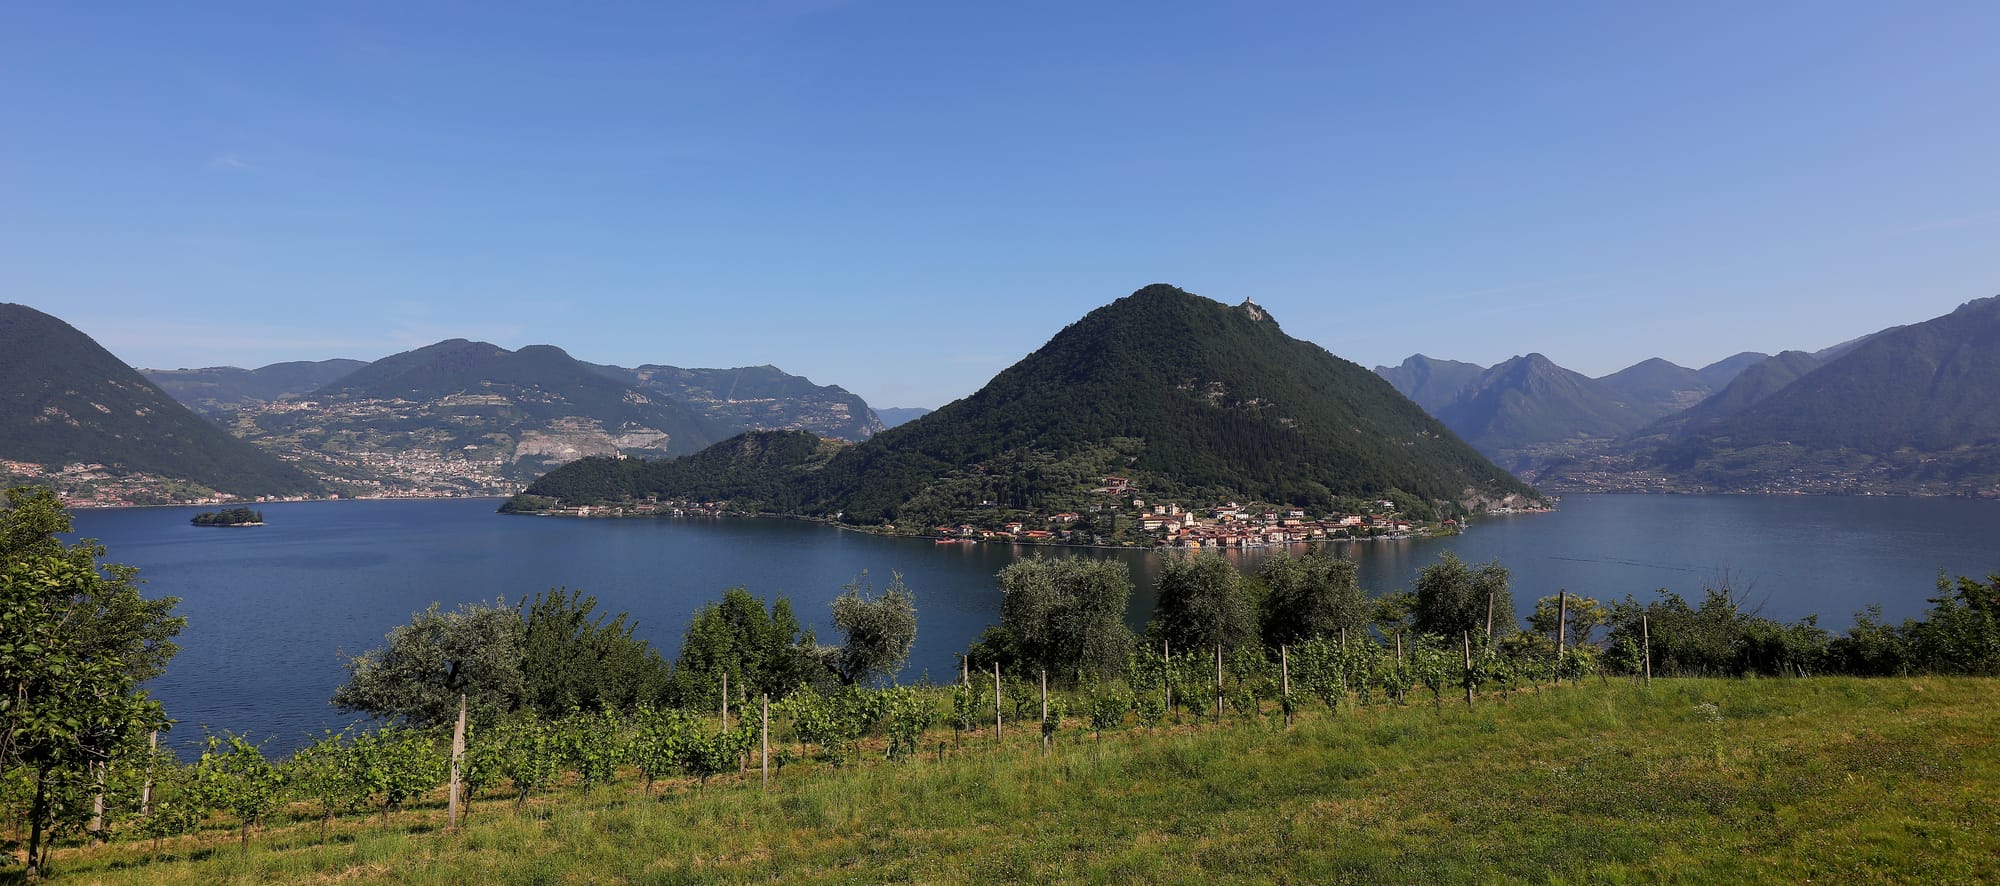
x,y
220,389
1912,409
457,417
1164,392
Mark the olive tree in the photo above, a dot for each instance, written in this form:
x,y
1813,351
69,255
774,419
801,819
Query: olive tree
x,y
1311,595
1453,598
1066,616
418,676
1202,604
878,631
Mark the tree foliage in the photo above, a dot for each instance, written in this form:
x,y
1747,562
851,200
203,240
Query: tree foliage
x,y
1065,616
761,650
878,630
416,678
76,642
1202,604
1452,598
1311,595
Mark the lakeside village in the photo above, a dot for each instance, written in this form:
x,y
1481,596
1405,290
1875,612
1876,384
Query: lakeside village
x,y
82,485
1163,525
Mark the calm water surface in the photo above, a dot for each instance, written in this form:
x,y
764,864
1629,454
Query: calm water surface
x,y
271,608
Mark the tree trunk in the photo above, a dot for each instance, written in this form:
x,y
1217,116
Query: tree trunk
x,y
37,812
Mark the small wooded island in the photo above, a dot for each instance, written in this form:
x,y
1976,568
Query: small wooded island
x,y
229,517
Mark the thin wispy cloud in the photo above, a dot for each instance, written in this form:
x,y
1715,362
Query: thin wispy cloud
x,y
232,163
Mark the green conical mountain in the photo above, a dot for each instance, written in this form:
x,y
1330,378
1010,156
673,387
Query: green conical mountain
x,y
68,400
1185,396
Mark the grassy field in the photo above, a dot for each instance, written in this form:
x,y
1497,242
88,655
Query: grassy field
x,y
1696,781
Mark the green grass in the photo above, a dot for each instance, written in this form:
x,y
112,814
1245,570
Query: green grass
x,y
1823,780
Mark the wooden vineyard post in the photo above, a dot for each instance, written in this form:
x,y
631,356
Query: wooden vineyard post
x,y
1167,673
1468,667
1562,629
1646,646
1285,681
1489,616
965,669
1218,682
764,734
97,804
996,701
146,791
725,701
455,798
1045,713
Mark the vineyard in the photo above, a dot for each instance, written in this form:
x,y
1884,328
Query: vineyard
x,y
152,797
1835,779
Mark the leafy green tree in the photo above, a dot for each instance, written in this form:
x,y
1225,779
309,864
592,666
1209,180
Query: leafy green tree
x,y
1311,595
417,677
1202,604
1452,598
76,642
1960,634
572,656
877,631
761,651
1065,616
1586,615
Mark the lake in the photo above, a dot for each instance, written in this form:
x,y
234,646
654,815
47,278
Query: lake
x,y
270,609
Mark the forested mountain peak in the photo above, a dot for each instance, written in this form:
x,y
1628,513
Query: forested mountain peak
x,y
1198,398
64,399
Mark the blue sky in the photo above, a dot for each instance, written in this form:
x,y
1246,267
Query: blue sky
x,y
903,198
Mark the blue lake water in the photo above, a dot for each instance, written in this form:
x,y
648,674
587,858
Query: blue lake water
x,y
270,609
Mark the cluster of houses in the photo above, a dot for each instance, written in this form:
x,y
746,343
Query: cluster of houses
x,y
1228,525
